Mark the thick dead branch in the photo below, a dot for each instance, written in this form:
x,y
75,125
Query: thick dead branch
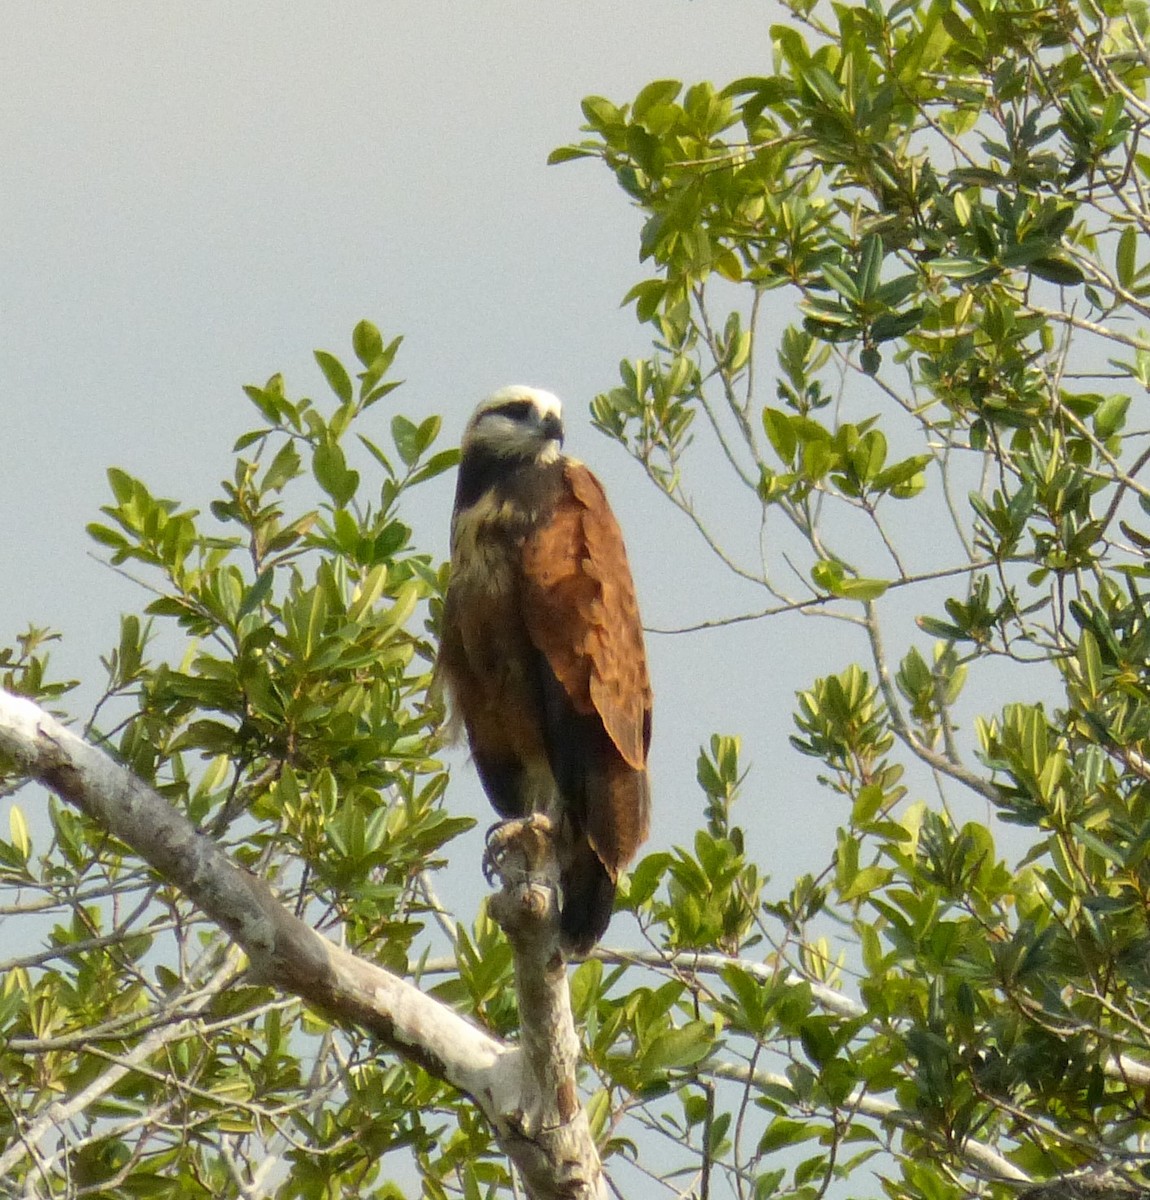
x,y
528,912
515,1094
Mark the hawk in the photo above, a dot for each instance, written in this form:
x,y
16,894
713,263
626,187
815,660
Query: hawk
x,y
541,650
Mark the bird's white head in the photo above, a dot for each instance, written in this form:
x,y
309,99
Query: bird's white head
x,y
517,422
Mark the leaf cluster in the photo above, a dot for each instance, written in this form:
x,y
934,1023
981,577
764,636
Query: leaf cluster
x,y
276,690
953,201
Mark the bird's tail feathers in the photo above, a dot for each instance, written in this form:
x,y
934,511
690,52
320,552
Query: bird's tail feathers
x,y
588,900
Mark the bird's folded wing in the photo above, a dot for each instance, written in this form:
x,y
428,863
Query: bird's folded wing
x,y
580,609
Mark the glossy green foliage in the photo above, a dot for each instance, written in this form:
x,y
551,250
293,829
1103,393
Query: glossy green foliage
x,y
898,284
275,689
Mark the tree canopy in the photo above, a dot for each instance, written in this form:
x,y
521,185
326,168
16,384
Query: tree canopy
x,y
900,281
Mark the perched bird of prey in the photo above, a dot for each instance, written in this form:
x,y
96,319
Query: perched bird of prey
x,y
542,649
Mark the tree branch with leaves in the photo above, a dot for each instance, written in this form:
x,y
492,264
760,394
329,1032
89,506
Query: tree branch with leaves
x,y
897,282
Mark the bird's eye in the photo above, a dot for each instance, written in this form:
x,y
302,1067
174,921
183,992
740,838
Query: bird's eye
x,y
516,410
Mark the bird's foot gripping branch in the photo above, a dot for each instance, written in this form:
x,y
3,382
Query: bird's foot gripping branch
x,y
522,856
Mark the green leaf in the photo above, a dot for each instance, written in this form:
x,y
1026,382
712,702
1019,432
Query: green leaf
x,y
369,592
601,114
677,1048
248,439
839,281
122,484
333,474
646,877
866,881
954,25
405,434
257,593
1057,270
895,325
783,1131
412,440
823,84
564,154
868,456
818,1040
730,266
336,375
863,589
269,400
107,536
941,629
870,266
870,359
648,296
378,455
18,832
780,433
655,95
367,342
1090,661
444,460
960,268
371,389
904,479
1110,416
831,577
1126,259
283,469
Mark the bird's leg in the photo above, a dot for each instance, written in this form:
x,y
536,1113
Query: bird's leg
x,y
523,854
514,847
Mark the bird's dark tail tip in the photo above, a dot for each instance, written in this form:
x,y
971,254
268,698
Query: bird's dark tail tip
x,y
588,901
